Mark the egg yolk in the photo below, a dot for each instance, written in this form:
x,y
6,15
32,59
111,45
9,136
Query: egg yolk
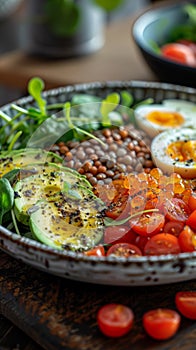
x,y
164,118
182,150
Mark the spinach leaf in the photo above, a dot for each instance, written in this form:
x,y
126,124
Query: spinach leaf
x,y
6,197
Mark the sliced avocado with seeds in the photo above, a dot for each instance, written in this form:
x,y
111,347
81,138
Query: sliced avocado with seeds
x,y
48,167
78,227
17,159
48,185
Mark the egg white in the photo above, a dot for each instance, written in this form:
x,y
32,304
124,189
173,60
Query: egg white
x,y
180,105
163,161
152,129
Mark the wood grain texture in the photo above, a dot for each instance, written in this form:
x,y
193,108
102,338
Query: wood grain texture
x,y
61,314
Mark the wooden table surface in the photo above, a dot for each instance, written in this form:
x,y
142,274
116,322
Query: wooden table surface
x,y
119,59
40,311
61,314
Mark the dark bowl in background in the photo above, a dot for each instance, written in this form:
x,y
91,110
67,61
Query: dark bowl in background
x,y
154,26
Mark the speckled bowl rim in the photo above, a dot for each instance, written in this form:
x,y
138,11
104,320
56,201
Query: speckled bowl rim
x,y
28,244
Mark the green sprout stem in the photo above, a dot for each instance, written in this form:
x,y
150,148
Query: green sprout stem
x,y
15,222
15,138
109,222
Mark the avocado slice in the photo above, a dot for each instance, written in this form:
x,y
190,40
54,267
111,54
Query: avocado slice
x,y
48,167
49,184
17,159
68,226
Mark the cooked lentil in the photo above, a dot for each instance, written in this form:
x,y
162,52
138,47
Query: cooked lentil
x,y
125,150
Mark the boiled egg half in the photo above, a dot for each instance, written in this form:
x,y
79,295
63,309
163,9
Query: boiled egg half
x,y
156,118
175,151
180,105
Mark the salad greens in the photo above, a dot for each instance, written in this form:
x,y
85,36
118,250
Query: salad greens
x,y
83,114
86,109
187,30
6,197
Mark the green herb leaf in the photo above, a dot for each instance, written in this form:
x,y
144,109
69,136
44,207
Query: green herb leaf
x,y
107,106
6,197
126,98
108,5
111,222
35,88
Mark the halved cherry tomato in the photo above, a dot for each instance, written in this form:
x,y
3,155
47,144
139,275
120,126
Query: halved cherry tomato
x,y
161,324
179,53
115,320
189,43
162,243
191,221
119,234
187,240
186,303
140,241
173,227
96,251
148,224
120,208
125,250
176,209
192,202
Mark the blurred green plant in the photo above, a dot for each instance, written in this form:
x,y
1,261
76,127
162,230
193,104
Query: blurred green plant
x,y
187,30
63,16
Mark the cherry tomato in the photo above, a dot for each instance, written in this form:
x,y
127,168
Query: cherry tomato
x,y
189,43
96,251
176,209
120,208
173,227
162,243
186,303
119,234
191,221
179,53
140,241
187,240
161,324
148,224
125,250
115,320
192,202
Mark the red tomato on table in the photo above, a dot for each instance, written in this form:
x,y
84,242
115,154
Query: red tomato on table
x,y
161,324
186,303
115,320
